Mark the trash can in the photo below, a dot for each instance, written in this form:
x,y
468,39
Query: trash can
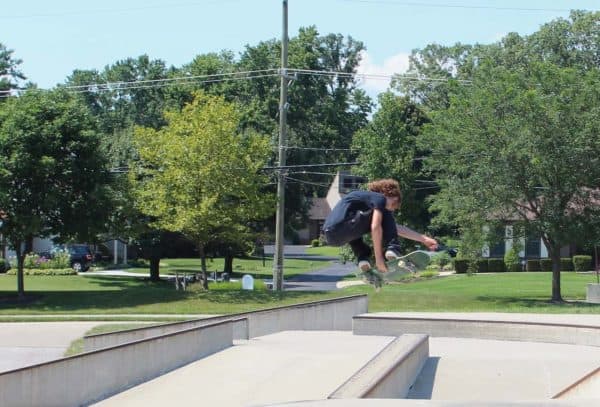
x,y
247,282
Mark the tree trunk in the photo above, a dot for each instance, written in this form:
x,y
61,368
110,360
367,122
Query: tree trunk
x,y
555,256
203,265
228,268
20,263
155,268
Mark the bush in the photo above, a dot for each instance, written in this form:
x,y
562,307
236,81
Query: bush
x,y
428,274
533,265
511,260
496,266
315,243
461,266
582,263
482,265
546,264
441,259
4,265
566,264
45,272
139,263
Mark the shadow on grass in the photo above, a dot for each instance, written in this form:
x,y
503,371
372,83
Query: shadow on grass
x,y
125,294
533,303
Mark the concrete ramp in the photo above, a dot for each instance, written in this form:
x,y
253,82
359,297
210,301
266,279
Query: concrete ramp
x,y
588,387
277,368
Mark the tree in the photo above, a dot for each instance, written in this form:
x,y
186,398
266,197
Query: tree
x,y
522,145
200,176
388,149
324,110
52,173
9,71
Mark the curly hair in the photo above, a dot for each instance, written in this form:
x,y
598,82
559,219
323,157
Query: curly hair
x,y
388,187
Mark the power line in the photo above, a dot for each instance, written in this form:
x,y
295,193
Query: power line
x,y
289,167
134,85
95,87
458,6
115,11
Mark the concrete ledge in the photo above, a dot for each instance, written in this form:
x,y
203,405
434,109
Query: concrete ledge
x,y
512,330
391,373
333,314
88,377
588,387
436,403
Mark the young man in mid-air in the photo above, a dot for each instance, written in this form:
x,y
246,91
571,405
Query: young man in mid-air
x,y
372,211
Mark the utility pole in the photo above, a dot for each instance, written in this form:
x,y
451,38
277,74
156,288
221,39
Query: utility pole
x,y
283,106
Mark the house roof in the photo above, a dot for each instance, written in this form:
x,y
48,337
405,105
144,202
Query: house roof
x,y
319,209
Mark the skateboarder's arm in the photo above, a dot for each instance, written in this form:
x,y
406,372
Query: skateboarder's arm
x,y
377,236
408,233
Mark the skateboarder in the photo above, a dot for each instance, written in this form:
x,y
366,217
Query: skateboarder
x,y
362,212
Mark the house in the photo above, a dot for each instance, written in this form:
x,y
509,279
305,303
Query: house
x,y
342,183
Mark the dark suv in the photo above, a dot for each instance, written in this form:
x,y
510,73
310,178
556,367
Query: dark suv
x,y
81,256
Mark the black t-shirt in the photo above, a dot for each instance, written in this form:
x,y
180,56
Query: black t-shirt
x,y
353,202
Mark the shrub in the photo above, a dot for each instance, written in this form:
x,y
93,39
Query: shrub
x,y
566,264
482,265
546,264
461,265
511,260
582,263
533,265
4,265
315,243
496,266
428,274
44,272
441,259
140,263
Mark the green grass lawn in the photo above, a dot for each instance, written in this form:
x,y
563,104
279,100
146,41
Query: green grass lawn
x,y
130,295
252,266
328,251
504,292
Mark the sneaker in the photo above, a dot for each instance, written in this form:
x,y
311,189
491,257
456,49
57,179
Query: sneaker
x,y
391,254
364,266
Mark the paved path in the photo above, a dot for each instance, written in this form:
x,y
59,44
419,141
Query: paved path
x,y
28,343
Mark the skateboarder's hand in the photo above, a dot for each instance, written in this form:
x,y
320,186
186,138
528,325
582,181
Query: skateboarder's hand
x,y
431,244
381,266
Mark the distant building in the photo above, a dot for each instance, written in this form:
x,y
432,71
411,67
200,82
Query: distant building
x,y
343,183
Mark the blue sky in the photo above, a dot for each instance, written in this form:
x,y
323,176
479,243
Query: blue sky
x,y
55,37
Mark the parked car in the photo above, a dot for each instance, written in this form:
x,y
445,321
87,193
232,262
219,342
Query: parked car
x,y
80,255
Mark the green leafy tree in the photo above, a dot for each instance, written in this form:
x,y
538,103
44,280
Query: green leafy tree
x,y
10,75
200,176
52,173
324,110
522,145
388,149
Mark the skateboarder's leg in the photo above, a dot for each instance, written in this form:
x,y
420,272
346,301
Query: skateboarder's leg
x,y
391,246
362,251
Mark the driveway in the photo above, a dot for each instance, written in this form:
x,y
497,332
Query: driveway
x,y
324,279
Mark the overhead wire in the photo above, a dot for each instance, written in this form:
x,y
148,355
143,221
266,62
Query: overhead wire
x,y
458,6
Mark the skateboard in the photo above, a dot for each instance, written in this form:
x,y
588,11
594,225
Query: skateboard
x,y
397,268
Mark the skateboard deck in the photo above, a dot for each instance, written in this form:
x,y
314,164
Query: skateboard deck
x,y
397,268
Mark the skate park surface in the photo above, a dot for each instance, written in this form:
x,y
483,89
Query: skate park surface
x,y
332,353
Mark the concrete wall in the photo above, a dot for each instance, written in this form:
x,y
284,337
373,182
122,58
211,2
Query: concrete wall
x,y
334,314
500,330
88,377
391,373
